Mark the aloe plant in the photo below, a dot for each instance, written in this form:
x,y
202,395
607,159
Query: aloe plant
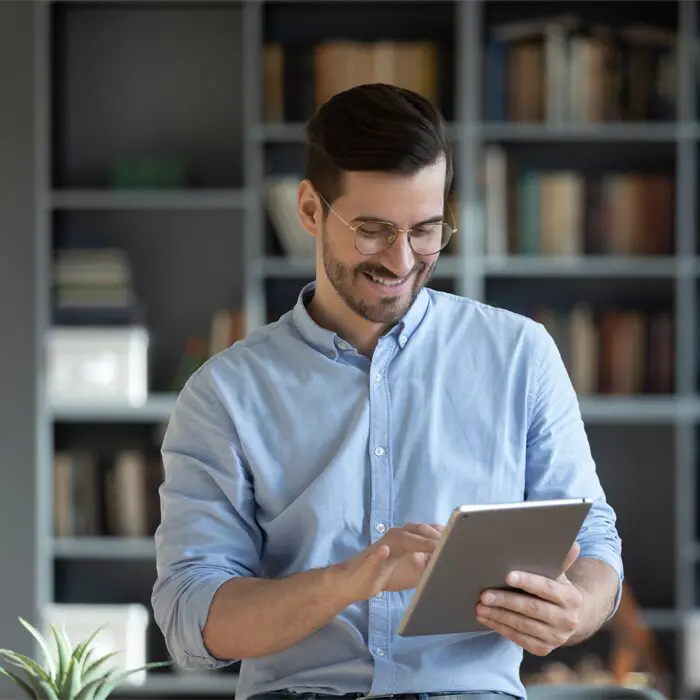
x,y
71,673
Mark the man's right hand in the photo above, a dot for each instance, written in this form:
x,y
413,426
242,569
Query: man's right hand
x,y
394,563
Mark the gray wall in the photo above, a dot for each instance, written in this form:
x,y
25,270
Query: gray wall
x,y
20,577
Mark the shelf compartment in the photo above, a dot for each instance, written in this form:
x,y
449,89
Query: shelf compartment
x,y
300,83
167,252
138,85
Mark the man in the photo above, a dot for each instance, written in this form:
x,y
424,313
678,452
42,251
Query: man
x,y
310,467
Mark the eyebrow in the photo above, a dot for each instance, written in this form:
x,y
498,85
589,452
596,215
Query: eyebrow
x,y
378,220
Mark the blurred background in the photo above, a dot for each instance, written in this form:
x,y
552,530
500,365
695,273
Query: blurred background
x,y
149,155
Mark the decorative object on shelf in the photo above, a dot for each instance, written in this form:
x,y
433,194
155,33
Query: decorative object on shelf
x,y
637,646
195,355
227,327
71,673
151,173
102,364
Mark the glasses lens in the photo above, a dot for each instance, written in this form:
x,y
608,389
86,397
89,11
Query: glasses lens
x,y
430,239
372,237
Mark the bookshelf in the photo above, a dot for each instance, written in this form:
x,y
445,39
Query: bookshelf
x,y
191,80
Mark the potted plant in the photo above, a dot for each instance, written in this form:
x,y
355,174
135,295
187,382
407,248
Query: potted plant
x,y
71,673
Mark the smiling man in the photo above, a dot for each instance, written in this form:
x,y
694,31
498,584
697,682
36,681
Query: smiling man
x,y
310,467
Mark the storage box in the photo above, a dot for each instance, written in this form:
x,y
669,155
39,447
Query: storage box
x,y
691,651
124,632
100,364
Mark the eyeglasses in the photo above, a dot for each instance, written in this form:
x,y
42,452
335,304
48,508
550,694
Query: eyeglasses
x,y
372,237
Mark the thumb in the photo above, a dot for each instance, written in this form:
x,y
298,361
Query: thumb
x,y
375,563
571,557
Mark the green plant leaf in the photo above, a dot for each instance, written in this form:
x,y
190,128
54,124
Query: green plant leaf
x,y
25,663
72,682
21,683
49,691
87,692
92,670
83,649
41,640
114,678
107,684
63,649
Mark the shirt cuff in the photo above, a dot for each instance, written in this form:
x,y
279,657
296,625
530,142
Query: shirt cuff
x,y
193,614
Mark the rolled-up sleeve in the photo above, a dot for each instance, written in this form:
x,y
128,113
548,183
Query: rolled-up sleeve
x,y
559,463
208,533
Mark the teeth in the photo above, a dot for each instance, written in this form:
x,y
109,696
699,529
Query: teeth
x,y
385,282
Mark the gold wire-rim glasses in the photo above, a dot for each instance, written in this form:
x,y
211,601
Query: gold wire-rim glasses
x,y
394,231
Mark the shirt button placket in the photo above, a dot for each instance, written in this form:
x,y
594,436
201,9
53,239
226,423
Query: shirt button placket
x,y
381,514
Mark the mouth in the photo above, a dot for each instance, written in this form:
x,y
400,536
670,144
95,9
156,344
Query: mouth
x,y
388,283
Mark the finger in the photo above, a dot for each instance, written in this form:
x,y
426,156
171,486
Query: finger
x,y
424,530
377,564
554,635
531,644
413,542
528,605
554,591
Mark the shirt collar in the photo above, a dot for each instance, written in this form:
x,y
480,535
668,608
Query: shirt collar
x,y
330,343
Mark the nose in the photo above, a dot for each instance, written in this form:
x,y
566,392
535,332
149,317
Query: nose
x,y
399,258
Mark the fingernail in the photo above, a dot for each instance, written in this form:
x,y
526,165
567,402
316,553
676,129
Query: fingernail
x,y
513,578
488,598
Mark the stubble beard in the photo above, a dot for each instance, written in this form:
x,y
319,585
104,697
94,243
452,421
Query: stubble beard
x,y
388,310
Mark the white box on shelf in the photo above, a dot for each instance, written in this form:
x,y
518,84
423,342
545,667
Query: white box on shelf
x,y
125,627
691,651
98,364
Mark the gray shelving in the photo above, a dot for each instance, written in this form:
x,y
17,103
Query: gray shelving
x,y
104,548
182,685
100,199
112,77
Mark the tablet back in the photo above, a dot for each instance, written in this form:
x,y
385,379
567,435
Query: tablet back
x,y
480,546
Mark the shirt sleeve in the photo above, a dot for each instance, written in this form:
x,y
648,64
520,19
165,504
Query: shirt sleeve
x,y
559,463
208,533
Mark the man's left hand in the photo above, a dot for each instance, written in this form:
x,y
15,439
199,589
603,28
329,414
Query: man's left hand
x,y
541,618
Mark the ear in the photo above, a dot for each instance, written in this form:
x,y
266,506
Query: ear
x,y
309,208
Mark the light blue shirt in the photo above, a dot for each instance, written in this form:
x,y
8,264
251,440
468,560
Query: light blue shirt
x,y
290,451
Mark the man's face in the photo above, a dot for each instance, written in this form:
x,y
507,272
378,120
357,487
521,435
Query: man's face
x,y
381,287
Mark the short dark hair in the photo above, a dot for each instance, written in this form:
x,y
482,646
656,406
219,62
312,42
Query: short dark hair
x,y
374,127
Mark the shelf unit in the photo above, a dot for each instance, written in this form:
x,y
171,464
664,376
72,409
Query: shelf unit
x,y
113,78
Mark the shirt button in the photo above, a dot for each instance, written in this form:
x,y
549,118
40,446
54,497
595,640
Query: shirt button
x,y
380,527
403,340
379,451
379,595
380,652
377,377
343,345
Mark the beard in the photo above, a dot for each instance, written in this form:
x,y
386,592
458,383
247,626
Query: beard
x,y
386,309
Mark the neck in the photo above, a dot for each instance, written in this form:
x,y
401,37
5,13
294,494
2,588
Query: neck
x,y
329,311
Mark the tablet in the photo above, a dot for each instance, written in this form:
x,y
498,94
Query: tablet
x,y
479,546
